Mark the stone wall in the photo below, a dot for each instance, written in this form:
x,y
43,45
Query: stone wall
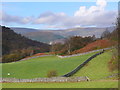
x,y
84,53
53,79
81,65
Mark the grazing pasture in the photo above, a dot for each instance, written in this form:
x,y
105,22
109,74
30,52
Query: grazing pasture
x,y
97,68
39,67
92,84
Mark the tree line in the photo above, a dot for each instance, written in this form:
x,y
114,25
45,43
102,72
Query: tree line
x,y
72,43
15,46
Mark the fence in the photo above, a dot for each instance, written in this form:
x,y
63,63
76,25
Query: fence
x,y
53,79
81,65
64,78
33,57
84,53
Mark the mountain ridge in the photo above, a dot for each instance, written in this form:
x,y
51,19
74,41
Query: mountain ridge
x,y
52,35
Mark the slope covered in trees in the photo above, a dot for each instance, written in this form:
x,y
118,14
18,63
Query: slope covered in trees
x,y
13,43
71,44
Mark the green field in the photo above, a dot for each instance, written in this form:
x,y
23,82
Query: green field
x,y
91,84
97,68
38,67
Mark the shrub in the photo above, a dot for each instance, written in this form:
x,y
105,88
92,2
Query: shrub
x,y
113,63
11,57
52,73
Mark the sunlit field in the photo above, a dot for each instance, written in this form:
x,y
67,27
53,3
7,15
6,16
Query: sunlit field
x,y
39,67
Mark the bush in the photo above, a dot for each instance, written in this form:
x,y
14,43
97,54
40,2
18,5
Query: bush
x,y
113,63
11,57
52,73
16,55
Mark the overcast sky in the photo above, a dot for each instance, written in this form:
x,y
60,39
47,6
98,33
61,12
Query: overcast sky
x,y
59,15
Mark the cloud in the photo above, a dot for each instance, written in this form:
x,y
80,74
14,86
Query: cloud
x,y
6,18
50,18
93,10
96,15
101,3
92,16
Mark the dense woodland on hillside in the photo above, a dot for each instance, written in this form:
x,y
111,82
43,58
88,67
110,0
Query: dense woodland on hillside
x,y
15,46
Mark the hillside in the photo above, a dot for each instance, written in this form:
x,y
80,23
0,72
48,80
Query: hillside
x,y
12,41
99,44
98,67
43,36
15,46
85,31
23,30
52,35
39,67
96,70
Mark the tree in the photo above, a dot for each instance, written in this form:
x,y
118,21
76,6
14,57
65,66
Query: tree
x,y
15,46
56,47
77,42
105,34
52,73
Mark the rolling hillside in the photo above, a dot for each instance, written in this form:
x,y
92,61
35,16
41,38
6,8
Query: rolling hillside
x,y
52,35
12,41
84,31
42,36
98,67
97,70
39,67
23,30
99,44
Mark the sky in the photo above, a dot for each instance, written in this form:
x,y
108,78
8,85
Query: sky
x,y
59,15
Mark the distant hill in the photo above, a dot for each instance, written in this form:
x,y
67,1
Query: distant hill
x,y
12,41
52,35
38,35
85,31
42,36
23,30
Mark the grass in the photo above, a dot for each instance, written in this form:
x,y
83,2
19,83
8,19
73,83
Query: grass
x,y
39,67
98,67
91,84
96,70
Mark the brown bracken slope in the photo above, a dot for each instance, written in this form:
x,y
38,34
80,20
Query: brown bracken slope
x,y
99,44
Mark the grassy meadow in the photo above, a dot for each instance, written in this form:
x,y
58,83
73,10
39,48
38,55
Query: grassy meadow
x,y
91,84
97,68
39,67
